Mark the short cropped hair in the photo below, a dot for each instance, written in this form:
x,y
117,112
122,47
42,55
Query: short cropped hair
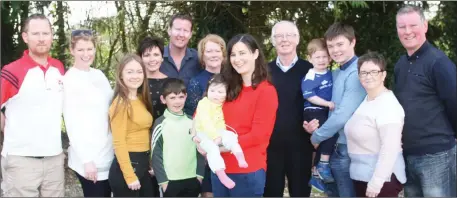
x,y
25,24
180,16
374,57
149,43
339,29
317,44
406,9
173,85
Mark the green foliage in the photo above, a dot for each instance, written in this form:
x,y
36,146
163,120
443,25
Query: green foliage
x,y
446,22
374,22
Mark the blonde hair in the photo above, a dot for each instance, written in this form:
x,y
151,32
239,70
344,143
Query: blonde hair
x,y
81,36
315,45
215,39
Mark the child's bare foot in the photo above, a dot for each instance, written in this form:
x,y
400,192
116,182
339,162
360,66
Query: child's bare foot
x,y
225,180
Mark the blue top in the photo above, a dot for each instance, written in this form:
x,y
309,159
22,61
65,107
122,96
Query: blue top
x,y
195,89
317,84
347,94
190,66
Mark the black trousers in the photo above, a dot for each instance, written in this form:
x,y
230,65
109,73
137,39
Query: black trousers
x,y
295,164
183,188
155,187
91,189
140,163
207,187
326,147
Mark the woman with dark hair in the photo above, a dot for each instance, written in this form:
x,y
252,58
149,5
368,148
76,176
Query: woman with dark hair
x,y
250,112
150,49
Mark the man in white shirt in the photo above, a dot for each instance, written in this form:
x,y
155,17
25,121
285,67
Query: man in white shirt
x,y
32,156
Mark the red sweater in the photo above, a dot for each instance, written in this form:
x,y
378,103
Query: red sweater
x,y
253,116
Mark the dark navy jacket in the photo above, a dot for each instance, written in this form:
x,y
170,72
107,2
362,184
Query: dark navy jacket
x,y
425,85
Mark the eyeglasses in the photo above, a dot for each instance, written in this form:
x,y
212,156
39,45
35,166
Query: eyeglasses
x,y
81,32
372,73
288,36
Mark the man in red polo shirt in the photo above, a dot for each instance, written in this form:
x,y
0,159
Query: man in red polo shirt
x,y
32,158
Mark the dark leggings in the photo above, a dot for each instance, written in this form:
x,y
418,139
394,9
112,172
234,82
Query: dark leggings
x,y
91,189
389,189
326,147
140,163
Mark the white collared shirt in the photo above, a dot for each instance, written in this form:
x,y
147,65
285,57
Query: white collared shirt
x,y
285,68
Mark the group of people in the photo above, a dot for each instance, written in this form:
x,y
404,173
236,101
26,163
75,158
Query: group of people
x,y
220,121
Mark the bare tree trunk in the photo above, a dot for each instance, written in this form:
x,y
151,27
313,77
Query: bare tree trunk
x,y
120,6
62,41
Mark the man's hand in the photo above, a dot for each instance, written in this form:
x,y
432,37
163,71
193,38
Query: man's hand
x,y
199,179
311,126
90,171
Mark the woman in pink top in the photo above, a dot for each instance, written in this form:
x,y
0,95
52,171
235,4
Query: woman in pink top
x,y
374,134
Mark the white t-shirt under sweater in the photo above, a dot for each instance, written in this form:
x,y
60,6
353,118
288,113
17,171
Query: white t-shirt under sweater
x,y
87,97
373,135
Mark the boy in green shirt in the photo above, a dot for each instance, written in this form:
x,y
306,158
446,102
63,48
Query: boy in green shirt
x,y
178,166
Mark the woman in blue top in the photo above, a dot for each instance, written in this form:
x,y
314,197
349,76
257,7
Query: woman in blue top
x,y
212,54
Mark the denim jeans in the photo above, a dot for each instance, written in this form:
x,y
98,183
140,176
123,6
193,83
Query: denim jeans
x,y
246,185
339,163
431,175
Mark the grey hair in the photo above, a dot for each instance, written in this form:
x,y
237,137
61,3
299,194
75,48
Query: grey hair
x,y
412,8
284,22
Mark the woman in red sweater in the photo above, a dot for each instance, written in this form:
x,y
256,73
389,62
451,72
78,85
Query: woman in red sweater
x,y
250,110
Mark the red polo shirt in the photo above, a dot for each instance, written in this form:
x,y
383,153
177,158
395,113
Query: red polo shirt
x,y
13,74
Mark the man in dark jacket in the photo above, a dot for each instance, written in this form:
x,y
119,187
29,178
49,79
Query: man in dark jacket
x,y
425,85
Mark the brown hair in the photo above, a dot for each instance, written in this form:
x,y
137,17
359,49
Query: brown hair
x,y
340,29
215,39
217,79
374,57
121,91
233,78
173,85
315,45
181,16
25,24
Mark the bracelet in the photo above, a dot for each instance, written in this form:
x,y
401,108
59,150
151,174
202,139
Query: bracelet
x,y
192,138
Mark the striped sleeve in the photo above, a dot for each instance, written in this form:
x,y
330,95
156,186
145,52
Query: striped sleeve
x,y
157,151
9,86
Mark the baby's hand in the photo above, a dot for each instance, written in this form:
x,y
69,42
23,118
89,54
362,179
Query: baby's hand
x,y
218,140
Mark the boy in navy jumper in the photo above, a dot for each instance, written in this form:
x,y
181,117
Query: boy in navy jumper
x,y
317,92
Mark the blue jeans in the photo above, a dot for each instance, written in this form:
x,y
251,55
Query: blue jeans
x,y
431,175
339,163
246,185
